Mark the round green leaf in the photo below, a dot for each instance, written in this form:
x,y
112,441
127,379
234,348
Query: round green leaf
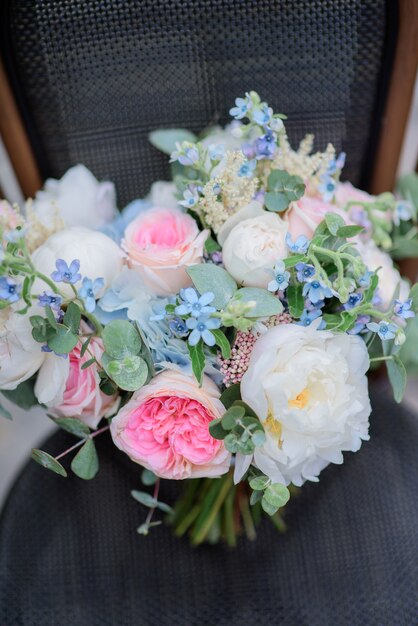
x,y
277,495
85,464
121,339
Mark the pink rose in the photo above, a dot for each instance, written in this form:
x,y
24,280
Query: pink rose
x,y
345,193
304,215
165,427
78,391
161,243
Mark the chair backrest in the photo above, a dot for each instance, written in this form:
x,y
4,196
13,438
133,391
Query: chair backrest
x,y
93,77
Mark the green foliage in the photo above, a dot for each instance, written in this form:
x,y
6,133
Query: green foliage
x,y
210,277
222,342
274,498
61,338
48,461
230,395
5,413
129,373
295,300
349,231
73,426
334,222
266,304
165,139
211,245
23,396
397,376
121,339
197,357
239,428
148,478
85,464
282,189
148,500
407,187
63,341
404,248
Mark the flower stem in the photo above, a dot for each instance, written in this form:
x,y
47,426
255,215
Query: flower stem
x,y
381,358
80,443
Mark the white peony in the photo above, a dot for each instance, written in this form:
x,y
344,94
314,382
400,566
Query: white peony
x,y
81,199
99,257
309,388
389,277
253,247
20,355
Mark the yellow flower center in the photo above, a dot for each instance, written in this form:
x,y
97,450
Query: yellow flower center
x,y
301,399
274,427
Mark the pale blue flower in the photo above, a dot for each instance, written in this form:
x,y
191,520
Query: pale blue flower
x,y
241,108
360,325
265,146
247,169
13,236
336,165
316,291
403,309
216,152
201,328
304,272
281,278
385,330
88,292
9,289
299,246
327,188
186,153
178,327
66,273
262,114
191,198
364,281
193,304
51,299
46,348
353,301
404,211
308,317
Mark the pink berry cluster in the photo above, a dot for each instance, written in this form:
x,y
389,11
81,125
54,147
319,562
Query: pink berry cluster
x,y
234,368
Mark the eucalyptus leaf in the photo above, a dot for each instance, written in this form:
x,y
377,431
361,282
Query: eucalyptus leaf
x,y
48,461
216,430
397,377
63,341
144,498
73,426
282,189
121,339
148,478
50,317
230,395
231,416
129,374
277,495
165,139
72,317
210,277
85,464
259,483
265,303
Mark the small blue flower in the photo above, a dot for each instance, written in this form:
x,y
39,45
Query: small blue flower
x,y
316,291
308,317
353,300
360,325
304,272
281,278
9,289
216,257
247,169
336,165
327,188
51,299
13,236
194,305
364,281
248,149
201,328
262,114
88,292
299,246
265,146
404,211
216,152
310,306
186,153
191,198
66,274
178,327
46,348
241,108
385,330
403,309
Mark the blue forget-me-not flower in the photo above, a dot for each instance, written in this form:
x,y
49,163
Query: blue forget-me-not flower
x,y
89,291
9,289
193,304
201,328
66,273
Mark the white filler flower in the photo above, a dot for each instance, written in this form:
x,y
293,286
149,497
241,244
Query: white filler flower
x,y
309,388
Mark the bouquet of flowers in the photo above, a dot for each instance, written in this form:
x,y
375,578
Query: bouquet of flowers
x,y
220,330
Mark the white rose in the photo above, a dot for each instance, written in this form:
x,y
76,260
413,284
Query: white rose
x,y
163,194
81,199
253,247
20,355
309,388
389,277
99,257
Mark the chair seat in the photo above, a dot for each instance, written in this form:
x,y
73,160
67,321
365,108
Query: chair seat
x,y
70,554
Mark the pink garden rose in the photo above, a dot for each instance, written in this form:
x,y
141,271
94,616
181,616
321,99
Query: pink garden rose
x,y
74,392
161,243
304,215
346,192
165,427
